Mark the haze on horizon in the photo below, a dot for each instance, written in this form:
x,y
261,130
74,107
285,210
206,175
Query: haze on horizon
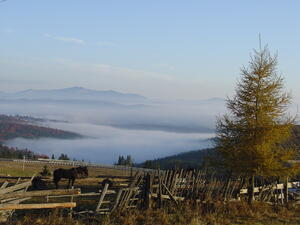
x,y
159,49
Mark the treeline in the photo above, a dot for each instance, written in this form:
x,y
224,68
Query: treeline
x,y
14,127
62,157
15,153
122,161
193,159
201,158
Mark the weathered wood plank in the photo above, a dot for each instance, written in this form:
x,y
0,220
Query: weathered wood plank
x,y
77,195
15,188
117,200
103,193
154,195
41,193
274,187
169,193
4,185
38,206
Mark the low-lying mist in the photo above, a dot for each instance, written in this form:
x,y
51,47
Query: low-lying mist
x,y
144,131
103,144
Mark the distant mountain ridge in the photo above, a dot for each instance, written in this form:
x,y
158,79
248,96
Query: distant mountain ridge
x,y
72,93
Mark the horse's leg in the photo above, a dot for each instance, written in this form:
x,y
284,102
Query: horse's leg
x,y
69,183
56,180
73,180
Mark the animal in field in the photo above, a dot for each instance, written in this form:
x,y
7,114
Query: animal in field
x,y
71,174
38,183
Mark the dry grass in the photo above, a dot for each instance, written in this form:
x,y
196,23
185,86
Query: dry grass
x,y
91,183
188,213
16,169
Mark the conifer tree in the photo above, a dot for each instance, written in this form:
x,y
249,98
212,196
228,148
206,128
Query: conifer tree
x,y
249,137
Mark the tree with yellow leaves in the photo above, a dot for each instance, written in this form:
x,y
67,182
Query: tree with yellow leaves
x,y
249,137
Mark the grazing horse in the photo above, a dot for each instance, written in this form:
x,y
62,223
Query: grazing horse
x,y
70,174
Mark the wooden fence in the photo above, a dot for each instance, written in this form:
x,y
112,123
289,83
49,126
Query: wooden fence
x,y
147,190
12,196
76,163
152,189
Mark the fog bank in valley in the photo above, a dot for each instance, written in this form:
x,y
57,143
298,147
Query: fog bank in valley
x,y
103,144
146,129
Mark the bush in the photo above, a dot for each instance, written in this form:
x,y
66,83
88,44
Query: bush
x,y
45,172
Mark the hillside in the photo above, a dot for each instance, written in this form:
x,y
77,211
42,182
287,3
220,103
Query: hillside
x,y
195,159
191,159
15,153
25,127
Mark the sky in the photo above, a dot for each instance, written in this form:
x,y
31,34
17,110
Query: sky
x,y
161,49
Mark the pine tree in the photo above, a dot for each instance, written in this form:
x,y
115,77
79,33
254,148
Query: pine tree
x,y
249,138
63,157
128,161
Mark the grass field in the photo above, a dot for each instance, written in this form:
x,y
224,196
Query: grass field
x,y
90,184
238,213
16,169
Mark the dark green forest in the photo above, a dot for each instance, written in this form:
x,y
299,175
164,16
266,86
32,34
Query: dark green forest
x,y
201,158
15,153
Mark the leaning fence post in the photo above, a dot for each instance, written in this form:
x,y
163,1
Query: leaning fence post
x,y
103,193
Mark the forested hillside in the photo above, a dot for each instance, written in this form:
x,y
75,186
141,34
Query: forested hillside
x,y
191,159
16,126
15,153
196,159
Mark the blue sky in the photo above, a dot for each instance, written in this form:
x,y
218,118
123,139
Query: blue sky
x,y
161,49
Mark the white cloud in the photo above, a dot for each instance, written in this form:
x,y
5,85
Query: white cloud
x,y
65,39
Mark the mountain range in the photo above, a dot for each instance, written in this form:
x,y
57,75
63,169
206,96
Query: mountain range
x,y
73,93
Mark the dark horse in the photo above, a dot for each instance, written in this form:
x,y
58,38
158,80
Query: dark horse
x,y
71,174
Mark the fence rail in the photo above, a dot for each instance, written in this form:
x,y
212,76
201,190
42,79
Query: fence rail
x,y
154,189
76,163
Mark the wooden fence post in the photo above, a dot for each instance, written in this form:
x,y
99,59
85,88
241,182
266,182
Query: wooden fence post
x,y
159,190
148,191
286,192
71,200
